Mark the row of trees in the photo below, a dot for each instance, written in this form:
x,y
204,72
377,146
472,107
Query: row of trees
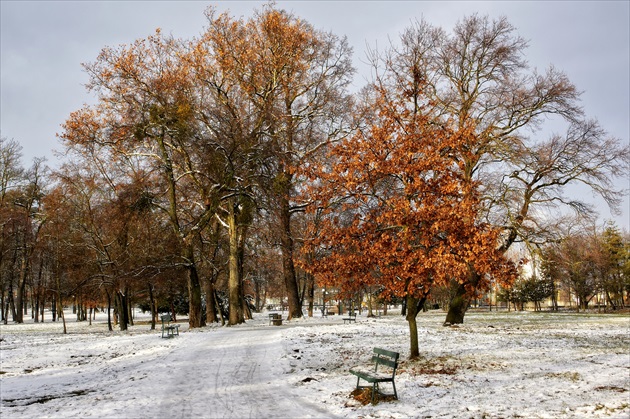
x,y
579,267
589,264
241,156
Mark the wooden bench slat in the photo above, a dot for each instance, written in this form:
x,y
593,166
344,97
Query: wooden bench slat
x,y
386,352
385,361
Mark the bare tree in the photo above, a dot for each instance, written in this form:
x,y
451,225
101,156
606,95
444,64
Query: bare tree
x,y
478,77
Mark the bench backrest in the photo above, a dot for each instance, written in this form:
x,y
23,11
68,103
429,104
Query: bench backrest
x,y
387,358
166,318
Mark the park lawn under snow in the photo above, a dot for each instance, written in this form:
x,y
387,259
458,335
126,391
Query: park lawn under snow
x,y
496,365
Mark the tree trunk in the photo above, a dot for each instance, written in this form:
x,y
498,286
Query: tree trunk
x,y
12,304
53,308
109,311
247,313
35,306
310,293
288,267
152,307
413,308
123,313
19,311
195,308
61,313
257,290
129,308
461,299
369,303
457,307
216,303
211,309
234,280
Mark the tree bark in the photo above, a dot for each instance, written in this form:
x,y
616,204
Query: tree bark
x,y
461,299
152,307
61,313
310,292
457,307
109,311
195,308
195,319
211,309
413,308
121,300
21,287
234,280
288,267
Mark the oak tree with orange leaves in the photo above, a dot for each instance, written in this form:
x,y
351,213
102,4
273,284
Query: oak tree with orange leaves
x,y
395,207
477,77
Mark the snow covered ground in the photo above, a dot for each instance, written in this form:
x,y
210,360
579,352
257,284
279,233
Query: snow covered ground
x,y
496,365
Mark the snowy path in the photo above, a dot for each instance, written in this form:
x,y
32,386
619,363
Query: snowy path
x,y
235,372
223,372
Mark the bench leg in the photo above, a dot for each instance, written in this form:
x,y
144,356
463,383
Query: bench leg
x,y
395,394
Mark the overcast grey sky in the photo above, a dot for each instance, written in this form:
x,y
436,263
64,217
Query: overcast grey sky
x,y
43,44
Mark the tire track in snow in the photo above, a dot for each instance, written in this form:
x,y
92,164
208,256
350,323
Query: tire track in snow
x,y
235,372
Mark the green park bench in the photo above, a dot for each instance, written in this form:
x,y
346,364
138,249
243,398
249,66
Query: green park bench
x,y
383,357
171,330
352,317
275,319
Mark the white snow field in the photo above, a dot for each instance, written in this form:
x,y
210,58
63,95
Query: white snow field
x,y
496,365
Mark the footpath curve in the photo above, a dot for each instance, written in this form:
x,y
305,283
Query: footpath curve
x,y
237,372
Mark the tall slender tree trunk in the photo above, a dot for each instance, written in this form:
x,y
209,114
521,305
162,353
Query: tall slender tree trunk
x,y
109,311
242,234
234,280
152,306
21,289
288,267
195,318
42,306
195,307
53,308
310,293
211,309
59,306
220,310
2,299
257,300
121,302
35,305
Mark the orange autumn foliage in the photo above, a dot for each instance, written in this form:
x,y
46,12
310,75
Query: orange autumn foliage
x,y
396,211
